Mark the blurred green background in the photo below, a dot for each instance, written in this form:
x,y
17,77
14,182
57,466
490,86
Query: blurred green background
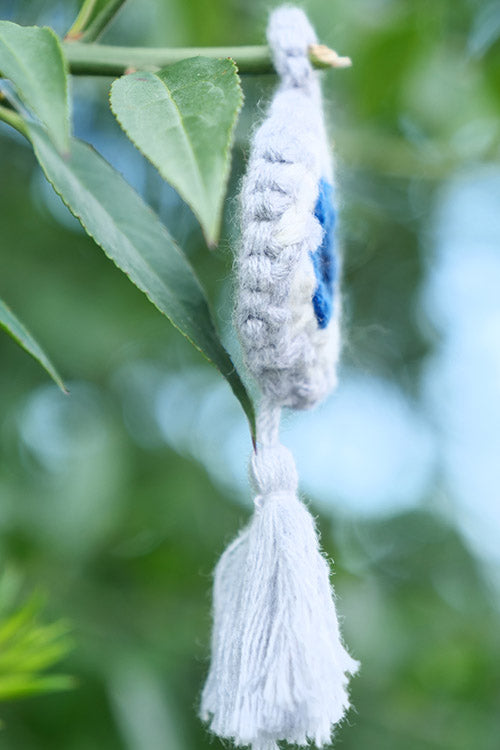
x,y
117,500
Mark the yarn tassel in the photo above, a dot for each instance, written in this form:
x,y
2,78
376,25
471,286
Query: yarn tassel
x,y
279,669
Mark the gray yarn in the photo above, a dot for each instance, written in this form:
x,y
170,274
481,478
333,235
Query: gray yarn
x,y
279,670
293,361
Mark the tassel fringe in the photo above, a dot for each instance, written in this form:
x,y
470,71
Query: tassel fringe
x,y
279,669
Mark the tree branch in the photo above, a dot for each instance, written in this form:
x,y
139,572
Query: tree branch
x,y
106,60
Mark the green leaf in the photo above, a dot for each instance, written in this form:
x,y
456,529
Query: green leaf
x,y
19,333
28,648
11,626
137,242
32,58
182,119
32,657
23,684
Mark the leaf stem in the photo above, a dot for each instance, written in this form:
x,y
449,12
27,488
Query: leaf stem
x,y
14,119
89,24
81,20
107,60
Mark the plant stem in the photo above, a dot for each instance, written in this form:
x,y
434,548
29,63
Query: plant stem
x,y
89,24
82,19
106,60
14,119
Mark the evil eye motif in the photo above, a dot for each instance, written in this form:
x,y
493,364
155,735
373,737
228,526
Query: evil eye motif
x,y
323,258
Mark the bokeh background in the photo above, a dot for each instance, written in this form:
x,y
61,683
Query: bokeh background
x,y
117,500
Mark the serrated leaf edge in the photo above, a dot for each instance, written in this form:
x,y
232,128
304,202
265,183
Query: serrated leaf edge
x,y
211,236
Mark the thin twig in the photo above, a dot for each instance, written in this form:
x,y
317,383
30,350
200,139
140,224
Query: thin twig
x,y
107,60
14,119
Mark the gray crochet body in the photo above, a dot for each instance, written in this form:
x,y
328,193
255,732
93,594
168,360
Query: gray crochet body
x,y
291,357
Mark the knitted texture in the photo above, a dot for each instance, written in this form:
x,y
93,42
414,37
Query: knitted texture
x,y
286,313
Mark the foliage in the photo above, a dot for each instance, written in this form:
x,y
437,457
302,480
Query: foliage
x,y
28,649
188,138
182,118
131,235
23,337
32,59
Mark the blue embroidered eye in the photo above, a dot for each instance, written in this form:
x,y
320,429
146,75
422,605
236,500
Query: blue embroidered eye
x,y
323,258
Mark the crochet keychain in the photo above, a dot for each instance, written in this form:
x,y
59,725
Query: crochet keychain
x,y
279,670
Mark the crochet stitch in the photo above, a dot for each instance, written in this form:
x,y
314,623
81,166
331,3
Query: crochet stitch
x,y
290,342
